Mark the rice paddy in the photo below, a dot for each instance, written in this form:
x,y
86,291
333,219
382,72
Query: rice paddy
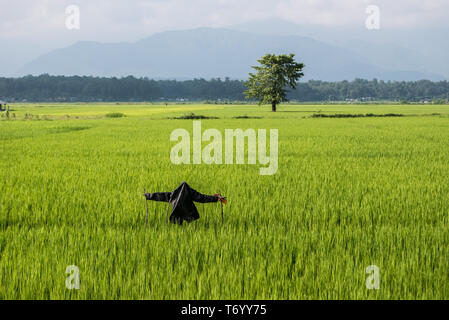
x,y
350,192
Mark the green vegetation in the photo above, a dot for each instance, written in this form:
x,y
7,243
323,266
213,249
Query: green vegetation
x,y
273,76
192,116
349,193
351,115
114,115
72,89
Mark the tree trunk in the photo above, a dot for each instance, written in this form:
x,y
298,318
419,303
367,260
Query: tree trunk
x,y
273,106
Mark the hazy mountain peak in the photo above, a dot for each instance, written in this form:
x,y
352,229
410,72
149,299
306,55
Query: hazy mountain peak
x,y
211,53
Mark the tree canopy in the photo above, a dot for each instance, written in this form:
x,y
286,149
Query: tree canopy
x,y
87,89
274,75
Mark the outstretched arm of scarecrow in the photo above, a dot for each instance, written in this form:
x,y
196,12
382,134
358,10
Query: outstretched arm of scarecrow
x,y
199,197
159,196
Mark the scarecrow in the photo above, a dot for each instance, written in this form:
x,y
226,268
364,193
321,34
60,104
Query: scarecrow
x,y
182,200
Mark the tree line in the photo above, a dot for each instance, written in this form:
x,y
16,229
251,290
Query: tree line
x,y
46,88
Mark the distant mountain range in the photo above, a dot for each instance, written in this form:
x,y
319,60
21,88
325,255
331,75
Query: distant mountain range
x,y
409,49
214,52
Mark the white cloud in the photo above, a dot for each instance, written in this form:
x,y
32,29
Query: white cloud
x,y
107,20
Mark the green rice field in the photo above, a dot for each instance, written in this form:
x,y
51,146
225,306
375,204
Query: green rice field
x,y
349,193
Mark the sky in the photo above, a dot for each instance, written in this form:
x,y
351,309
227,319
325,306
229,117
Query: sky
x,y
130,20
30,28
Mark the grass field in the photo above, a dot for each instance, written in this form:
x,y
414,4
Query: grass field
x,y
349,193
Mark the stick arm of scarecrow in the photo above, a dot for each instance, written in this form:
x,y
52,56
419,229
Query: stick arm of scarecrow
x,y
146,206
158,196
162,197
222,199
203,198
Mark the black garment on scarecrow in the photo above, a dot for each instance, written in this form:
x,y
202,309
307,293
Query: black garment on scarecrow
x,y
182,200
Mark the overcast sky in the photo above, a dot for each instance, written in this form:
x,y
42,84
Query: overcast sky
x,y
129,20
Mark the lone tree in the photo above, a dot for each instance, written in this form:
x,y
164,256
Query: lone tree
x,y
274,75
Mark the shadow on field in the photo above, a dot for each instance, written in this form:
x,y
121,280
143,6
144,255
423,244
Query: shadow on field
x,y
247,117
192,116
300,111
67,129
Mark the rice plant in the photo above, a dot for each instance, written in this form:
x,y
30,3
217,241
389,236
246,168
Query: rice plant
x,y
349,193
